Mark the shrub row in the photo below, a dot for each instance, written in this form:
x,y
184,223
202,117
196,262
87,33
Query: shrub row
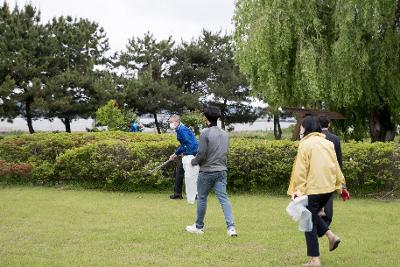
x,y
121,161
48,146
266,165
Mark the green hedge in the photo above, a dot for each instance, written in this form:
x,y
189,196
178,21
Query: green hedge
x,y
48,146
121,161
116,165
257,164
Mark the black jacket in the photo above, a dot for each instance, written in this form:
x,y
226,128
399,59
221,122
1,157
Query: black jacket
x,y
336,141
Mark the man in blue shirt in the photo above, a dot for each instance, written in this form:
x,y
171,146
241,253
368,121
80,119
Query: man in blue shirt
x,y
188,146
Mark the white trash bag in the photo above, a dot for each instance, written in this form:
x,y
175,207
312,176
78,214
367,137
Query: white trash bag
x,y
191,175
300,214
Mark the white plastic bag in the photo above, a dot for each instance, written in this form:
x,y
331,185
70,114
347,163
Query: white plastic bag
x,y
191,175
300,214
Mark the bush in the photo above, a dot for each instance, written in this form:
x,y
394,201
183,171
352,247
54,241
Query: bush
x,y
113,117
121,161
116,165
65,158
370,167
266,165
256,164
194,120
47,146
15,172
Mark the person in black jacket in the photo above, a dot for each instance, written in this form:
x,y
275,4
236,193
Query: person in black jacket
x,y
325,124
327,213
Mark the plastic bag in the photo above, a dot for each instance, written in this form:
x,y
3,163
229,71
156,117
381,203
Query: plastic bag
x,y
300,214
191,175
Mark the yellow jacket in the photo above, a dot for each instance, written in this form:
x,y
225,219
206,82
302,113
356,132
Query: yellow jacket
x,y
316,169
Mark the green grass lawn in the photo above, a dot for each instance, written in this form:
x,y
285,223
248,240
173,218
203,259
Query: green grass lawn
x,y
56,227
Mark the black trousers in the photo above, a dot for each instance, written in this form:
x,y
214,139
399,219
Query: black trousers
x,y
315,204
328,208
179,175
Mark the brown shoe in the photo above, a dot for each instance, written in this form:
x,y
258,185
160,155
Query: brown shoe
x,y
334,243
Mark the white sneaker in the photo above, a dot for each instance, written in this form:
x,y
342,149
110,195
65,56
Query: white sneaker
x,y
194,230
232,231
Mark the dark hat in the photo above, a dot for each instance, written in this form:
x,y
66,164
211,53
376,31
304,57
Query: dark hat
x,y
212,113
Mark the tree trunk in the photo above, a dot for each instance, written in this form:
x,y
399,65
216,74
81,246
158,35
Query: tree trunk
x,y
381,126
67,123
296,130
223,125
157,123
29,115
277,127
396,21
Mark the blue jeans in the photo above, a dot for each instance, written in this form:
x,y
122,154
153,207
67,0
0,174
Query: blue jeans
x,y
217,182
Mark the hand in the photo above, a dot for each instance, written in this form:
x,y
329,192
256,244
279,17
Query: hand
x,y
345,194
173,156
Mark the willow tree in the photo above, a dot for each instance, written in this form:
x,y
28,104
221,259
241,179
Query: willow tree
x,y
283,47
366,71
341,55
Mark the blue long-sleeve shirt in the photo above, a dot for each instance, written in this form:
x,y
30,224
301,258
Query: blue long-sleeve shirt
x,y
187,140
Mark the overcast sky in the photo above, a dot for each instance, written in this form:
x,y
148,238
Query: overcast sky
x,y
122,19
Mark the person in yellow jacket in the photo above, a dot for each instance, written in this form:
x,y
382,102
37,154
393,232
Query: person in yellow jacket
x,y
317,174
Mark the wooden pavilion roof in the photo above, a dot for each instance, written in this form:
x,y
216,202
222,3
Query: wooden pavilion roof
x,y
301,112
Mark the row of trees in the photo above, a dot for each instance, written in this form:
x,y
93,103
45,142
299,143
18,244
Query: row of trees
x,y
340,55
336,55
61,70
49,70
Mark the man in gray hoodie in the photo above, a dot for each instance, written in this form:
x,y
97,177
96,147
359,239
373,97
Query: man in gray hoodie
x,y
212,158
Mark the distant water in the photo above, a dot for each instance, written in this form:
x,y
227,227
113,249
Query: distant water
x,y
19,124
261,125
80,125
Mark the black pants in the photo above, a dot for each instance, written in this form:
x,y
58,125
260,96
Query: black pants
x,y
328,208
179,175
315,204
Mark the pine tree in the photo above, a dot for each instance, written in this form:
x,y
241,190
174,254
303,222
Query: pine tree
x,y
74,89
23,61
147,69
226,85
